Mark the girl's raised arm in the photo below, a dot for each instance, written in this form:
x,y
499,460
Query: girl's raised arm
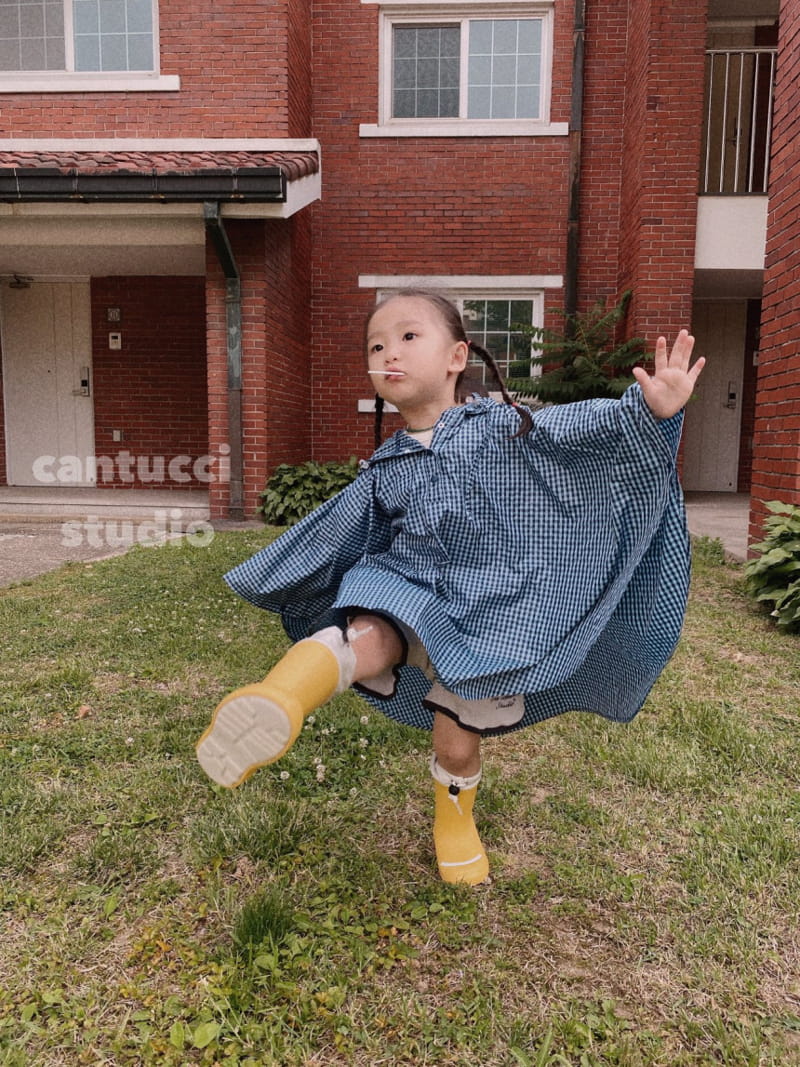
x,y
673,378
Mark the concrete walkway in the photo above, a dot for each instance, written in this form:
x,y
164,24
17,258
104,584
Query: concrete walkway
x,y
33,545
721,515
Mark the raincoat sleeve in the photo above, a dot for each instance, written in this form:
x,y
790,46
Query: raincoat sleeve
x,y
588,425
298,575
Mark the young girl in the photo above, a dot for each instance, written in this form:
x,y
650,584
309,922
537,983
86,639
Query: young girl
x,y
487,569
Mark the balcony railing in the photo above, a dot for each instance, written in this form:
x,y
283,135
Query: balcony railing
x,y
738,121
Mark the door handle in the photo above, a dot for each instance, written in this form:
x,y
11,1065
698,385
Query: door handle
x,y
85,386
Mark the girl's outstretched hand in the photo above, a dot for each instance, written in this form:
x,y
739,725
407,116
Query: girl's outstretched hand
x,y
673,379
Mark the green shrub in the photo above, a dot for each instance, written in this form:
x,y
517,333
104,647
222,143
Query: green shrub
x,y
294,491
583,361
773,578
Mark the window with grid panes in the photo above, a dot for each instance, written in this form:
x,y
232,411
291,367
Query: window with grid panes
x,y
467,68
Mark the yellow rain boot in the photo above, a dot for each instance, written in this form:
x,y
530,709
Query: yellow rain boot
x,y
259,723
459,851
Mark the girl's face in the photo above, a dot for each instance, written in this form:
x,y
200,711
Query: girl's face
x,y
415,357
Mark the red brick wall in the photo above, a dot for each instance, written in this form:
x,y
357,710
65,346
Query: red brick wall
x,y
660,161
448,206
154,388
299,72
776,438
602,151
273,261
231,57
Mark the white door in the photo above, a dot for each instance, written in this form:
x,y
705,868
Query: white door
x,y
714,415
47,378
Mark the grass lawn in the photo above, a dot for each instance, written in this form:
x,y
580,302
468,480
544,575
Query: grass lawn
x,y
645,896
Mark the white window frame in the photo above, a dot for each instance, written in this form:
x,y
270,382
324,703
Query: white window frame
x,y
444,11
101,81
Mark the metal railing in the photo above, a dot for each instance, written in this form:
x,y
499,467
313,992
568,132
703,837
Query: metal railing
x,y
740,86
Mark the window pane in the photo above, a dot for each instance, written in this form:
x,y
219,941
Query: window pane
x,y
54,20
113,34
405,71
427,76
31,35
497,314
450,38
140,16
505,37
87,52
404,103
427,103
474,315
405,42
520,313
112,16
426,71
448,103
480,70
504,102
527,101
504,68
479,102
530,36
113,52
32,54
31,20
86,16
480,38
9,22
9,55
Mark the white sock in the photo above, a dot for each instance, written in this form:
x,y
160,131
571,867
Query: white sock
x,y
444,777
333,638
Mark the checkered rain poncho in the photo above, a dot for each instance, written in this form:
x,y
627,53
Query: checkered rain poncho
x,y
554,565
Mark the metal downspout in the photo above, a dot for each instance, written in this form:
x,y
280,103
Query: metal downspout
x,y
233,320
575,133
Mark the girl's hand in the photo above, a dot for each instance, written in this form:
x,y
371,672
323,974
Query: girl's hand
x,y
673,380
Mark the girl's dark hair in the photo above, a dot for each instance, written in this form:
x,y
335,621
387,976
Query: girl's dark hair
x,y
451,317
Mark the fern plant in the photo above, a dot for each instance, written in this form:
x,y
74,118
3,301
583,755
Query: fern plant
x,y
294,491
582,362
773,577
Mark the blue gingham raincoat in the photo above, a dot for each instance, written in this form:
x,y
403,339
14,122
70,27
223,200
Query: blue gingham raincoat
x,y
555,565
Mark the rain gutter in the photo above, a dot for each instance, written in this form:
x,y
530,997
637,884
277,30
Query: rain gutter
x,y
228,184
575,134
218,236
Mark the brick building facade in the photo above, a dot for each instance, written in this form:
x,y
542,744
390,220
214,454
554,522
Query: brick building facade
x,y
776,436
233,212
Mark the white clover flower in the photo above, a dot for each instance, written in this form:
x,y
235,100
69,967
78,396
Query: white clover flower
x,y
284,775
364,720
324,731
311,720
362,742
353,791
